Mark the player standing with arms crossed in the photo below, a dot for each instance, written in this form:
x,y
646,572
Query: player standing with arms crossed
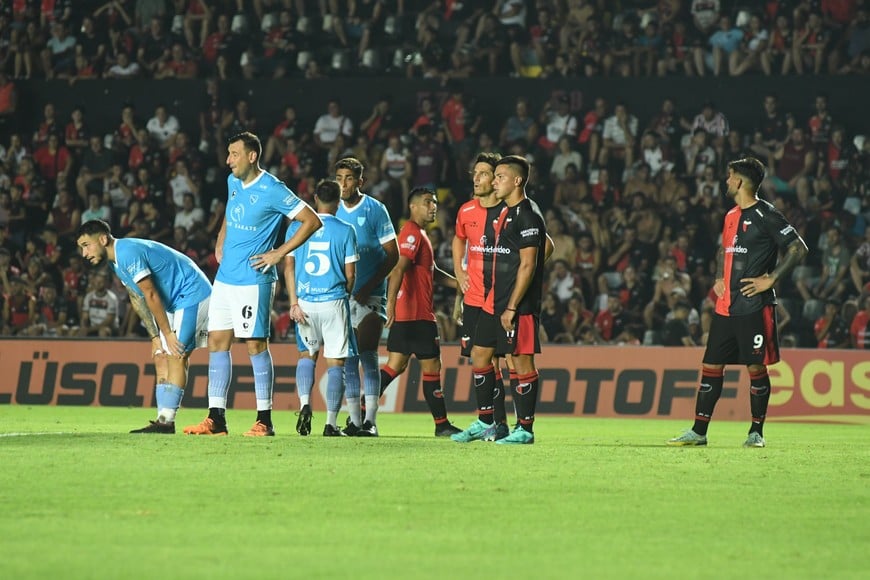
x,y
378,254
170,294
319,276
244,287
743,330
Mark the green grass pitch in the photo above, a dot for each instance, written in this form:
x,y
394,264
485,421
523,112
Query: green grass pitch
x,y
593,498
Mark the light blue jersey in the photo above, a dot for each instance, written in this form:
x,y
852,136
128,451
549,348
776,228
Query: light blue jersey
x,y
254,216
321,259
373,227
179,281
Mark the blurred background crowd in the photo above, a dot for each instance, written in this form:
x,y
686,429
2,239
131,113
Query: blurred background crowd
x,y
633,201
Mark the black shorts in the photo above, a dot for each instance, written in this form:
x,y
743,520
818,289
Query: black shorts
x,y
470,316
750,339
523,340
417,337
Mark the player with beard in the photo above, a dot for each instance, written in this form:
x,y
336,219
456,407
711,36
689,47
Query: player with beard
x,y
743,330
170,294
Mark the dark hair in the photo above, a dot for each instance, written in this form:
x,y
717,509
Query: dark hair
x,y
250,141
490,159
419,192
94,228
750,168
327,191
353,164
519,164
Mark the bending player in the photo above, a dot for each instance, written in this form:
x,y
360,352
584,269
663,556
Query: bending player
x,y
170,294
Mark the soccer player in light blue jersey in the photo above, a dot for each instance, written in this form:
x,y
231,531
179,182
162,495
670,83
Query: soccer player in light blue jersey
x,y
170,294
244,287
378,254
320,275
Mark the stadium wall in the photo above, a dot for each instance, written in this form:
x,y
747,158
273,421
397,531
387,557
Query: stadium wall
x,y
741,99
647,382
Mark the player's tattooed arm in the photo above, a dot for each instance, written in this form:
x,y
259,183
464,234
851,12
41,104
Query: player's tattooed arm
x,y
141,308
719,284
795,252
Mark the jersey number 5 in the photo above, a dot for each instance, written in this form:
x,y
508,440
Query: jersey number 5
x,y
317,261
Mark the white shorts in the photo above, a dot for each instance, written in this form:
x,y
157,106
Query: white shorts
x,y
190,326
358,312
327,325
246,310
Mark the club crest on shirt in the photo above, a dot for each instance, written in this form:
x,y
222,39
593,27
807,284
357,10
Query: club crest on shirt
x,y
746,224
360,220
254,199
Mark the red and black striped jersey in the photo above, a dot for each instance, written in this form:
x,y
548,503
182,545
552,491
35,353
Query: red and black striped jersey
x,y
752,239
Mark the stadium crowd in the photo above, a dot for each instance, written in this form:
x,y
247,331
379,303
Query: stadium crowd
x,y
634,205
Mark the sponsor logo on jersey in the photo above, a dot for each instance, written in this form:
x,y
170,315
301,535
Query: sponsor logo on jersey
x,y
289,199
237,213
736,250
529,232
411,239
786,230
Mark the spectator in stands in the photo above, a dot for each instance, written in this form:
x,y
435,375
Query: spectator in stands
x,y
676,330
100,314
619,138
462,123
123,68
163,127
678,54
779,54
558,121
8,103
97,210
48,125
722,42
189,216
51,314
830,329
53,160
59,53
820,125
19,308
565,155
65,217
593,127
835,270
810,45
795,161
178,65
328,127
748,55
859,329
705,14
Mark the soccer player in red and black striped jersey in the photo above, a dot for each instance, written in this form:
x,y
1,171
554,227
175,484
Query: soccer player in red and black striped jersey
x,y
508,324
743,330
411,314
473,249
